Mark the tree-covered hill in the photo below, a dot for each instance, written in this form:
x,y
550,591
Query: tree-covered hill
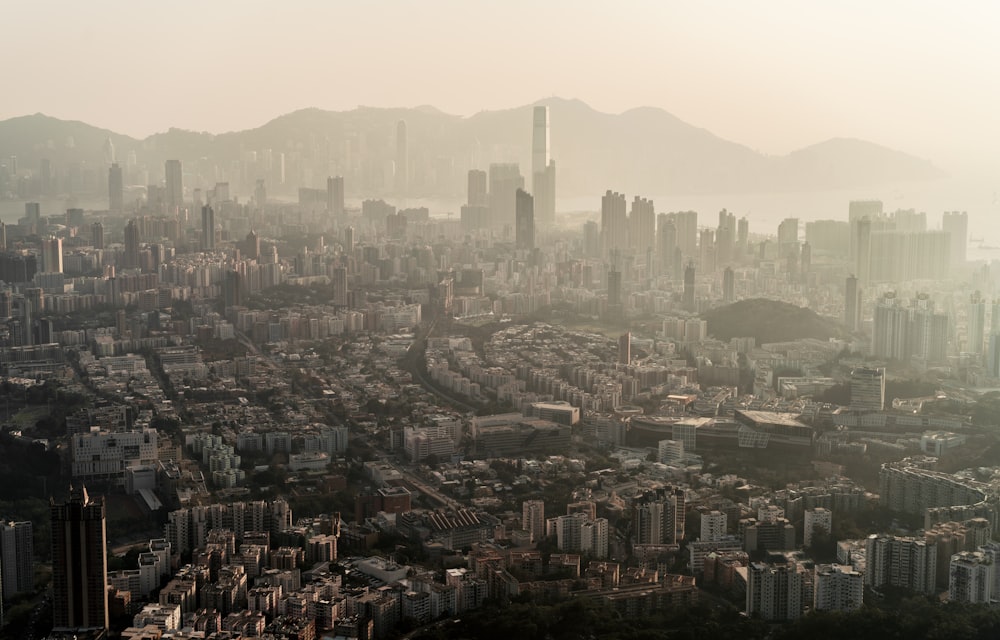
x,y
769,321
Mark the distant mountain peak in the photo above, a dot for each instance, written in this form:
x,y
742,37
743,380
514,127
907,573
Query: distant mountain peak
x,y
644,150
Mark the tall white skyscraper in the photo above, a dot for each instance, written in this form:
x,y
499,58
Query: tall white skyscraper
x,y
543,169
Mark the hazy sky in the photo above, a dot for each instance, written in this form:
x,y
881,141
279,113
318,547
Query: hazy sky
x,y
923,77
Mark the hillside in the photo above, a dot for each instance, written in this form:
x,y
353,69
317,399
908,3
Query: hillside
x,y
769,321
641,151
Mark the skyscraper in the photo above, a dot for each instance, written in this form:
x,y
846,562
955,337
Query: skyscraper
x,y
207,228
52,256
17,554
175,184
116,188
132,239
666,242
641,225
614,223
625,348
728,285
402,159
852,304
725,237
533,518
79,562
335,195
689,287
543,169
525,221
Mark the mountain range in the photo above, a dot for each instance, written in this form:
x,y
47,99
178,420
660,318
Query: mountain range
x,y
641,151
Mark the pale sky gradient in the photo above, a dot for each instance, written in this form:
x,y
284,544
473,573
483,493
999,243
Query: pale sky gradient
x,y
922,77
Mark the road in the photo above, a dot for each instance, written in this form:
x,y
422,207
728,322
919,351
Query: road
x,y
427,490
417,371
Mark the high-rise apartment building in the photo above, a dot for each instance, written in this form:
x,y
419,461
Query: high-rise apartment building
x,y
814,520
614,223
713,526
837,588
175,184
899,561
971,576
728,285
207,228
130,259
97,235
79,562
642,225
17,553
533,519
775,590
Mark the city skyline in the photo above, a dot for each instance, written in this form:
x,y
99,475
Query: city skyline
x,y
925,93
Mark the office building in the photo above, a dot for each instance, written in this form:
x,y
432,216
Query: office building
x,y
79,562
543,169
175,185
402,175
852,304
837,588
524,228
207,228
17,553
116,188
614,223
52,255
868,389
335,195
